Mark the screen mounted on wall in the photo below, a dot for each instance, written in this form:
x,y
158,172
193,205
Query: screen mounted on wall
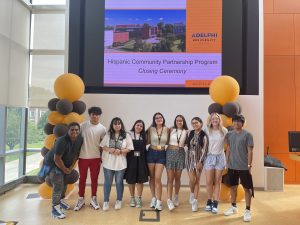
x,y
163,46
162,43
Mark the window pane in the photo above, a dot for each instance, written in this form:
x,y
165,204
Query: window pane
x,y
13,143
48,31
48,2
12,167
37,119
45,69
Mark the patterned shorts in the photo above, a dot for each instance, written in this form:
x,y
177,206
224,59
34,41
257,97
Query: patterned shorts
x,y
175,159
215,162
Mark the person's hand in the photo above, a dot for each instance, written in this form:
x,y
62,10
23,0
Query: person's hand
x,y
67,170
199,166
124,152
118,152
249,168
112,151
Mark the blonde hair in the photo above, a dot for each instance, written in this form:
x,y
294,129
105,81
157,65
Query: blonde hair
x,y
221,128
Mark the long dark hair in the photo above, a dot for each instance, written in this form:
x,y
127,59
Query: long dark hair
x,y
185,127
112,131
143,132
191,134
153,119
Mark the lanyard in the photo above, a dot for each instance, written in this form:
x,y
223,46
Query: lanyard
x,y
116,140
178,138
159,135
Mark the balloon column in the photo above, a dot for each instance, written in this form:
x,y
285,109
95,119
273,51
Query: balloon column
x,y
224,90
63,110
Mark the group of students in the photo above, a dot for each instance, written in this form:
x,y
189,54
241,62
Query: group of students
x,y
124,155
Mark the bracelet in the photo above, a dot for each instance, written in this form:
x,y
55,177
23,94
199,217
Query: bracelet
x,y
249,165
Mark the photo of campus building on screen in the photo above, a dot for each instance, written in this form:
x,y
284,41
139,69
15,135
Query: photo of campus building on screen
x,y
145,31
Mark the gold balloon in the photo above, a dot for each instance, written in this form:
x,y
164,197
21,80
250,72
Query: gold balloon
x,y
49,141
55,118
224,89
225,195
227,121
69,86
45,191
73,117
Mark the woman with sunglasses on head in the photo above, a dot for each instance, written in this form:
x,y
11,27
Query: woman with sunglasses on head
x,y
175,159
215,161
197,143
137,170
116,144
157,137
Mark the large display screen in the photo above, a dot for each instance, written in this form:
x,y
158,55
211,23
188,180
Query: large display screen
x,y
163,46
162,43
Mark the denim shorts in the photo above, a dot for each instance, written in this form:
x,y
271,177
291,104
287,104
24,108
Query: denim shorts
x,y
155,156
215,162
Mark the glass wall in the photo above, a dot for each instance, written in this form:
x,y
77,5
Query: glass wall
x,y
14,64
47,55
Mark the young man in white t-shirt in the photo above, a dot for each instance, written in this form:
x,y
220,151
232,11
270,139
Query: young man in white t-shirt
x,y
92,132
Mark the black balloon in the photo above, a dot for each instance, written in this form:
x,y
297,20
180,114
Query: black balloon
x,y
239,106
230,128
79,107
60,130
48,128
230,109
44,151
215,108
64,106
72,177
48,181
52,104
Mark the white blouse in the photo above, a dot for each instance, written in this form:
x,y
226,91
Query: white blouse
x,y
115,162
178,136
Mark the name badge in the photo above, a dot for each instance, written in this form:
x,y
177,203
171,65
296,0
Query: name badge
x,y
136,153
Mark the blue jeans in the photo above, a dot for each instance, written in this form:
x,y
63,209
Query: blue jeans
x,y
108,179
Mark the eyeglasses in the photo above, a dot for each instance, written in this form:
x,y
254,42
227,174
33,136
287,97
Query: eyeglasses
x,y
117,123
158,118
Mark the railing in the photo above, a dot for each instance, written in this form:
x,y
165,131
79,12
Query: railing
x,y
11,152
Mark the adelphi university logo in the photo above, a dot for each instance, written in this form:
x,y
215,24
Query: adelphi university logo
x,y
205,37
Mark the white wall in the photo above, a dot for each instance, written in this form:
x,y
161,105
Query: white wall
x,y
132,107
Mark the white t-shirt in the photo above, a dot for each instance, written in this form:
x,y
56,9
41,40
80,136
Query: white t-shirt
x,y
216,141
92,136
115,162
176,135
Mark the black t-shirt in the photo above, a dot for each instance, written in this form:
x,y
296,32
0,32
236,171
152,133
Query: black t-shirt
x,y
67,148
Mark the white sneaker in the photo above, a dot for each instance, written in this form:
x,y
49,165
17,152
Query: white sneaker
x,y
192,197
153,202
94,203
118,205
195,205
170,205
176,201
57,213
232,210
79,204
214,210
158,205
105,206
247,215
